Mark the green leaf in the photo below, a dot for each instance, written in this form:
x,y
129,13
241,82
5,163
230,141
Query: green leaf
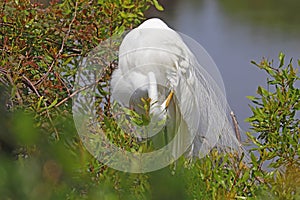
x,y
126,15
53,103
279,94
259,91
254,160
128,6
273,82
4,19
254,63
119,30
157,5
245,177
281,59
39,102
67,61
252,98
274,165
262,91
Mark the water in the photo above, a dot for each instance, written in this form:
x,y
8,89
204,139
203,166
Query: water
x,y
234,33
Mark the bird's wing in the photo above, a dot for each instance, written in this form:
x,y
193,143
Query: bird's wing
x,y
202,104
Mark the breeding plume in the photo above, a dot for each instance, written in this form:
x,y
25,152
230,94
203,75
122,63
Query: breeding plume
x,y
188,108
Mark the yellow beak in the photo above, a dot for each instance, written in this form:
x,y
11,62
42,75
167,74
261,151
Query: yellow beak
x,y
169,98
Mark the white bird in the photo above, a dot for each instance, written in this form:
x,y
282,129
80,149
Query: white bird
x,y
155,62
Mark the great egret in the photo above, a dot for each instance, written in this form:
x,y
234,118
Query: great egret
x,y
188,108
155,63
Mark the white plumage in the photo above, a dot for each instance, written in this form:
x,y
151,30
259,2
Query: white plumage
x,y
154,60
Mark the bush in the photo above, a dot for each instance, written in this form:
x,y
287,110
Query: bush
x,y
41,46
275,122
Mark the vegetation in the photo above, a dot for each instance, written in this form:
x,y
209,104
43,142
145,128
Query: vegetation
x,y
269,13
41,154
42,157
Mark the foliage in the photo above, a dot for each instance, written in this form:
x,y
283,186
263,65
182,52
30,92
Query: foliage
x,y
268,14
218,176
41,46
275,118
42,157
273,170
276,121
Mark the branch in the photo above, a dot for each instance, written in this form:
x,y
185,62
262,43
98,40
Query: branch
x,y
61,48
17,90
74,93
32,87
236,126
112,65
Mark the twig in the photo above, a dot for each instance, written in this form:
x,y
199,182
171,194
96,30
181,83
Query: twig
x,y
72,49
101,79
62,82
3,71
17,91
69,30
51,122
236,126
30,84
45,75
52,65
6,24
61,47
3,82
74,93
